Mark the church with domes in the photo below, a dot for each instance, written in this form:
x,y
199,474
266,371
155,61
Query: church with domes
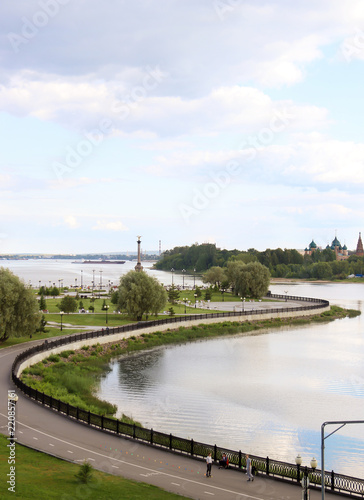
x,y
341,252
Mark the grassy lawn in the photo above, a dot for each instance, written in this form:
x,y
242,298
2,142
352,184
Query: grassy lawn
x,y
51,332
39,476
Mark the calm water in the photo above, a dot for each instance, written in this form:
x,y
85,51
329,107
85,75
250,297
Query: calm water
x,y
46,272
266,394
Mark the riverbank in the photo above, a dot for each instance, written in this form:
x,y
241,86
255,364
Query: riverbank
x,y
73,375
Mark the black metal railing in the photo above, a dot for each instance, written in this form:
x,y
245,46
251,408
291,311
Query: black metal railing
x,y
350,486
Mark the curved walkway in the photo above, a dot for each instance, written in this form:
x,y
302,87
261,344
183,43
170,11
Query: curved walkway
x,y
48,431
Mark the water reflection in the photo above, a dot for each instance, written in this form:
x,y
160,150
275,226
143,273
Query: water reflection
x,y
266,394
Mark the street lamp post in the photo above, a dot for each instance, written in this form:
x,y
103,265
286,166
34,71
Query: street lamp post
x,y
194,278
107,308
61,313
183,278
172,271
81,279
185,301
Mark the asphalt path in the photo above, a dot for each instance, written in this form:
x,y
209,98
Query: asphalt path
x,y
45,430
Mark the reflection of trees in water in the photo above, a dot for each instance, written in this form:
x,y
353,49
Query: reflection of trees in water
x,y
136,372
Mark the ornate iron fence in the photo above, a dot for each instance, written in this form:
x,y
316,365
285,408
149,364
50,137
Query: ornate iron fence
x,y
349,486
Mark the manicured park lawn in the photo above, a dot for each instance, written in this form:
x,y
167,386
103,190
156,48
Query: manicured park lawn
x,y
42,477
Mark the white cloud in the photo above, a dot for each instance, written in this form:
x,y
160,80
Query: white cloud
x,y
103,225
71,221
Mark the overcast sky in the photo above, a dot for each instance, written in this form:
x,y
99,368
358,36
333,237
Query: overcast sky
x,y
227,121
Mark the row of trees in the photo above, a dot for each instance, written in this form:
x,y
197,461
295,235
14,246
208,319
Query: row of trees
x,y
287,263
245,280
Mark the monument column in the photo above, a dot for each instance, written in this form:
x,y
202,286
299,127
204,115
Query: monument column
x,y
139,266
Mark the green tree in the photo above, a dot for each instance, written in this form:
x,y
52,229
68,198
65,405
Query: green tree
x,y
252,280
19,309
215,275
114,298
68,304
42,325
173,295
141,294
42,303
232,272
322,270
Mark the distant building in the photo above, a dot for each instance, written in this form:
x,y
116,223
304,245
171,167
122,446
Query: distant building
x,y
359,247
312,247
340,252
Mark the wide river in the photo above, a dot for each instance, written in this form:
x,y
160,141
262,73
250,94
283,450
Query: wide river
x,y
266,394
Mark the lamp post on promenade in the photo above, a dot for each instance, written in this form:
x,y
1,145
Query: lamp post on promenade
x,y
106,308
194,278
172,271
185,301
183,278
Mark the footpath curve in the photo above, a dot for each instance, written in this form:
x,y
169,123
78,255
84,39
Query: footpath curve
x,y
45,430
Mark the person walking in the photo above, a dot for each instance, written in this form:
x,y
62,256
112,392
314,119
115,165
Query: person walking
x,y
209,464
249,468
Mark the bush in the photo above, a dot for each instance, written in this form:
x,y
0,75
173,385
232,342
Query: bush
x,y
85,473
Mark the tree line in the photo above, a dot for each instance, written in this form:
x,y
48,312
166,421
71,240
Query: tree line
x,y
281,263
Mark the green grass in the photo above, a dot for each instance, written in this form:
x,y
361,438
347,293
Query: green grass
x,y
43,477
50,333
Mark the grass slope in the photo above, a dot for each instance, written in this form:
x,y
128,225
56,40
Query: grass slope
x,y
39,476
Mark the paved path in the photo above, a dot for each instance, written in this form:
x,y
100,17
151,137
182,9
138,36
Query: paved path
x,y
48,431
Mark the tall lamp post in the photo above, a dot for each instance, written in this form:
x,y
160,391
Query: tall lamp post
x,y
183,278
106,308
194,278
185,301
172,271
81,279
61,313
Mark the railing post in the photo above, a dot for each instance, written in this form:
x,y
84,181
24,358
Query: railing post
x,y
298,473
332,480
170,441
89,418
240,454
117,427
77,412
151,436
215,452
68,409
191,446
267,465
102,421
134,434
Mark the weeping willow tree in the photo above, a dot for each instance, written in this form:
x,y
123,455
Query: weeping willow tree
x,y
140,294
19,310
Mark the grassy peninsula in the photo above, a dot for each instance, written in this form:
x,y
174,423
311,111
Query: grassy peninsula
x,y
73,376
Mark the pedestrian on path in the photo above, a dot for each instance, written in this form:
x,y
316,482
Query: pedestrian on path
x,y
249,468
209,464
